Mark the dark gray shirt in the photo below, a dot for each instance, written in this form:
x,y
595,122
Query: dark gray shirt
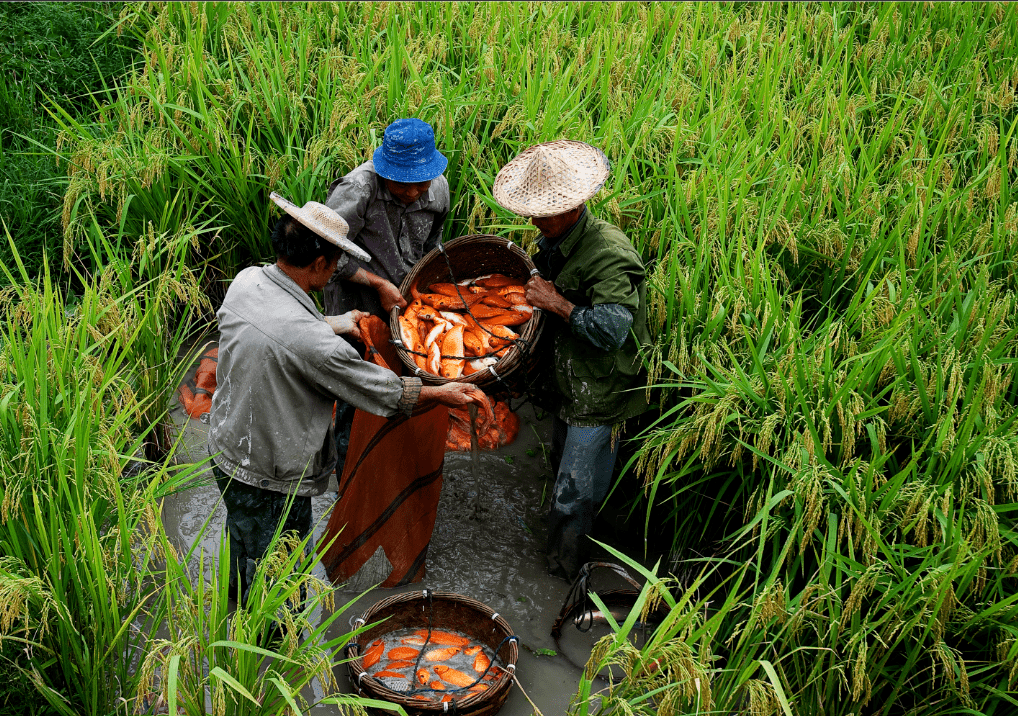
x,y
396,235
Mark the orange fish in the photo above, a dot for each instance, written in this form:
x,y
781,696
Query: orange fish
x,y
389,674
484,312
423,676
447,697
517,299
445,303
403,653
373,653
437,685
393,665
416,639
470,651
476,688
497,301
473,343
504,318
445,289
452,345
497,280
435,359
456,677
443,654
481,662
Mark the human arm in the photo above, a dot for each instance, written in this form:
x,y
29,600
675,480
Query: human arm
x,y
349,196
347,323
388,294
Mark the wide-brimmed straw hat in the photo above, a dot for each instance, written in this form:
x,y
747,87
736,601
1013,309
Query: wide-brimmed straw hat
x,y
323,221
408,154
551,178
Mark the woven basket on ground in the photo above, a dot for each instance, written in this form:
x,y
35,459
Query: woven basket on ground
x,y
469,257
447,611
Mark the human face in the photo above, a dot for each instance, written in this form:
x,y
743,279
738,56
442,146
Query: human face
x,y
407,193
321,271
554,226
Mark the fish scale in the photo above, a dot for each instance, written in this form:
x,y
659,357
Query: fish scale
x,y
400,674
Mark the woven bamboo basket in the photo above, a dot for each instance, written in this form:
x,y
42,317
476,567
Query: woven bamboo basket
x,y
470,256
449,611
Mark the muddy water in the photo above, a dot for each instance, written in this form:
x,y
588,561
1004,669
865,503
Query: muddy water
x,y
488,544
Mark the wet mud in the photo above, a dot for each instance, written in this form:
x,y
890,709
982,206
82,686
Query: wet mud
x,y
488,544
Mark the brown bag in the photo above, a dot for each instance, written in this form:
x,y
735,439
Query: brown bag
x,y
388,492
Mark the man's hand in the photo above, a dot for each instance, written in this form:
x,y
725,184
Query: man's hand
x,y
542,294
346,323
389,295
453,395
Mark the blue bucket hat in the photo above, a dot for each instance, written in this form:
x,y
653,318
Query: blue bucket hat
x,y
408,153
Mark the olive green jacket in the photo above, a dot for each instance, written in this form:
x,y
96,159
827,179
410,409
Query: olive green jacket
x,y
600,266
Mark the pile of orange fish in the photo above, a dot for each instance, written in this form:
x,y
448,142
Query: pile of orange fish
x,y
496,427
455,329
450,662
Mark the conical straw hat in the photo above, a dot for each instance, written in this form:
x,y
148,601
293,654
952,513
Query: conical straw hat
x,y
551,178
323,221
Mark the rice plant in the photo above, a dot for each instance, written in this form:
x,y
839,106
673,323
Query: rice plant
x,y
824,196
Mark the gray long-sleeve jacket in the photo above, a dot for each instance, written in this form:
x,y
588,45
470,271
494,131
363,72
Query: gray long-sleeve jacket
x,y
395,235
280,370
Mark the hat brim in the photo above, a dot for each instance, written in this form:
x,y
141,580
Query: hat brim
x,y
549,200
335,235
431,169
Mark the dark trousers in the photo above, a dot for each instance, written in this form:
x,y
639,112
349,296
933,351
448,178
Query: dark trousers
x,y
583,459
252,515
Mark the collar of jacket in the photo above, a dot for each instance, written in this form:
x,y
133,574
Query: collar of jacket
x,y
385,195
279,277
567,242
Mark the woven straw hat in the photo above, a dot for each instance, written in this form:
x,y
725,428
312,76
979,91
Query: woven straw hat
x,y
551,178
323,221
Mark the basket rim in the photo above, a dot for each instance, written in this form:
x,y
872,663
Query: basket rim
x,y
498,688
530,331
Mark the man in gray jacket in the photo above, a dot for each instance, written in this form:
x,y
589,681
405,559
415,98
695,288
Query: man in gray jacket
x,y
282,365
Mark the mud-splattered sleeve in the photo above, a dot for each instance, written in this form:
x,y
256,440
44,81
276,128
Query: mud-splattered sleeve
x,y
604,326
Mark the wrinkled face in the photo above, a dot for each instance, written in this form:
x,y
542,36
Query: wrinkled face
x,y
554,226
407,193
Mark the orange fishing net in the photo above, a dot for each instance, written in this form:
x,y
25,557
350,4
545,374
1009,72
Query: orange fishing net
x,y
499,432
195,395
388,492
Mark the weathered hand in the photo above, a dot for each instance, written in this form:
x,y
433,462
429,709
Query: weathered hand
x,y
542,294
454,395
389,295
346,323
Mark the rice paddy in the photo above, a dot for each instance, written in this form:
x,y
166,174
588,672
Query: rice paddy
x,y
824,196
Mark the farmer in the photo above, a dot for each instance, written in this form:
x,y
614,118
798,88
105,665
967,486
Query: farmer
x,y
395,204
592,289
281,366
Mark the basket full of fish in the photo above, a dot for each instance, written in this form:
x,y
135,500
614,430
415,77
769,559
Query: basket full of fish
x,y
429,651
467,318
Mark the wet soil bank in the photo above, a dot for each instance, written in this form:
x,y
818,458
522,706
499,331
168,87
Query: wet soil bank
x,y
494,555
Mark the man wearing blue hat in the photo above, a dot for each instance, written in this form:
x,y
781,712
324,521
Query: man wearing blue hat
x,y
395,204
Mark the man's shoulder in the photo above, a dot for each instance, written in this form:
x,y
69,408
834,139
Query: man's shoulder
x,y
359,183
440,191
604,237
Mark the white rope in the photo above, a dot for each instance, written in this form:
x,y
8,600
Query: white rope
x,y
509,246
494,616
398,342
492,369
534,272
